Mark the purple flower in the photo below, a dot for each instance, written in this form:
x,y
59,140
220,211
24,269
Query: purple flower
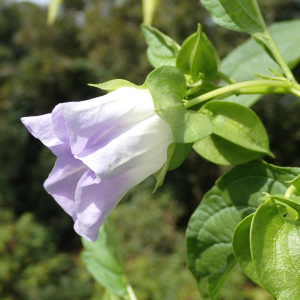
x,y
104,147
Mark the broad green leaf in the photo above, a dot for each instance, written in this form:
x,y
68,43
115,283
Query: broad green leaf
x,y
116,84
235,196
275,243
168,88
53,11
161,174
245,14
198,57
149,9
239,125
249,57
219,14
162,50
239,135
223,152
103,260
241,248
216,280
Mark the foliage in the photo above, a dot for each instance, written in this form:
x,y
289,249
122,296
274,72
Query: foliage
x,y
41,66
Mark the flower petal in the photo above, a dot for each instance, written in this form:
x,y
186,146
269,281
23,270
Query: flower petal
x,y
111,138
62,181
96,199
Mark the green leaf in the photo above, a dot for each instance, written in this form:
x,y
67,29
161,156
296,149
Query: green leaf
x,y
53,11
245,14
223,152
239,125
275,243
103,260
239,135
219,14
241,248
149,9
216,280
168,87
116,84
242,62
162,50
198,57
235,196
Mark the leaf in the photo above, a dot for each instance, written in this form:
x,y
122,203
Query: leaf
x,y
275,243
162,50
167,86
149,9
198,56
239,125
53,11
223,152
216,280
239,135
116,84
219,14
234,197
242,62
241,248
245,14
103,260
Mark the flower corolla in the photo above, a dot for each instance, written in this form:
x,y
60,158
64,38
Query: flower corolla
x,y
104,147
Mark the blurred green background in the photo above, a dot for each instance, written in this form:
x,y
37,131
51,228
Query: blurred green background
x,y
95,41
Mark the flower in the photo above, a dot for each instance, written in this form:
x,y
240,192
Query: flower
x,y
104,147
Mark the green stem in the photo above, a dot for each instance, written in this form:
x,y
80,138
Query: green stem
x,y
226,78
280,60
290,191
289,194
250,85
130,292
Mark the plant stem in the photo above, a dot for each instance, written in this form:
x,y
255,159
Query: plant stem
x,y
275,51
226,78
290,191
130,292
250,85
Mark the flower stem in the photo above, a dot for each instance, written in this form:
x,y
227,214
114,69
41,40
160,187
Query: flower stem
x,y
290,191
130,292
289,194
250,87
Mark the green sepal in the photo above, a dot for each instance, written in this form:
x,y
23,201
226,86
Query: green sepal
x,y
241,248
167,86
161,173
198,57
239,135
176,154
115,84
162,50
275,242
296,183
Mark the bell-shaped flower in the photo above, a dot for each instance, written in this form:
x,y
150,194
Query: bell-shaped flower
x,y
104,147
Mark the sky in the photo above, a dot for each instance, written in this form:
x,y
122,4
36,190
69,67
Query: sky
x,y
40,2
